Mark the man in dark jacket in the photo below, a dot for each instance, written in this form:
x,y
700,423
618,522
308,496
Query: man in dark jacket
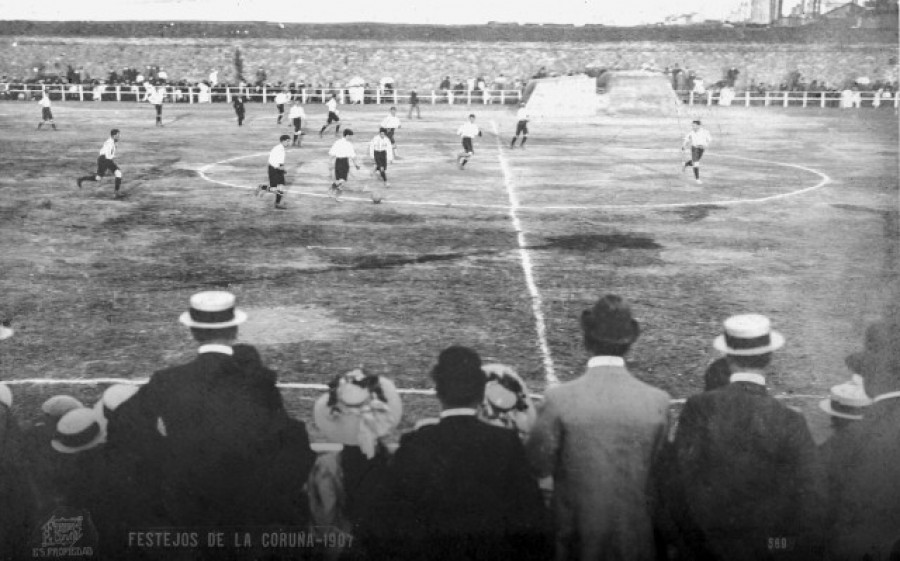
x,y
746,484
463,489
221,446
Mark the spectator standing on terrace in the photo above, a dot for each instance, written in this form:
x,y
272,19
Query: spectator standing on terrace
x,y
745,482
462,488
414,105
238,103
281,98
155,96
333,117
600,438
865,465
213,78
216,429
276,172
261,77
341,154
346,488
698,140
447,88
106,162
46,113
467,131
296,117
390,124
521,126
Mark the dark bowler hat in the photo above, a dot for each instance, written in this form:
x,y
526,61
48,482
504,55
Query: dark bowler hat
x,y
213,309
882,338
610,321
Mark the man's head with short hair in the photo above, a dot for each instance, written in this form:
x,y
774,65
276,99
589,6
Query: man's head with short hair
x,y
393,109
695,124
284,138
348,132
458,378
608,327
114,133
472,117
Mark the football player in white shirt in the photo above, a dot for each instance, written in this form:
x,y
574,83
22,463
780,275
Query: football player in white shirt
x,y
276,172
698,140
467,131
296,116
281,98
382,152
389,124
106,162
341,153
521,126
332,116
46,114
156,96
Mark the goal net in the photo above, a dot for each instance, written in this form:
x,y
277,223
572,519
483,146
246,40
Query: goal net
x,y
639,91
561,96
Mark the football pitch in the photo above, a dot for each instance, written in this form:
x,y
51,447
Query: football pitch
x,y
797,218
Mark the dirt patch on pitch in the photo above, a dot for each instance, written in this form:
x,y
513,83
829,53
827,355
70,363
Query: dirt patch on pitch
x,y
290,324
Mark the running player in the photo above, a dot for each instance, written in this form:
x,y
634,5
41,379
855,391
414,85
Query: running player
x,y
296,116
521,126
698,140
382,152
388,125
281,98
467,131
276,172
106,162
46,114
332,117
342,153
156,96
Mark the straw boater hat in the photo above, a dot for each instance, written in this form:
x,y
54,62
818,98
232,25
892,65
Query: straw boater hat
x,y
113,397
748,335
213,309
5,332
6,397
59,405
506,402
358,410
847,400
79,430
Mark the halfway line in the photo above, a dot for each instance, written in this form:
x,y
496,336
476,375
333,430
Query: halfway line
x,y
536,304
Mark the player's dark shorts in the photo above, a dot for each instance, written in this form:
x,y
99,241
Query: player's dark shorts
x,y
158,109
341,168
388,133
296,121
104,165
380,159
276,177
697,153
332,118
467,145
280,108
46,114
521,128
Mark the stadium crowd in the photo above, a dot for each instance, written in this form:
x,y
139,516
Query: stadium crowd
x,y
597,471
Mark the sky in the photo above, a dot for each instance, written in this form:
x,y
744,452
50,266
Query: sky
x,y
452,12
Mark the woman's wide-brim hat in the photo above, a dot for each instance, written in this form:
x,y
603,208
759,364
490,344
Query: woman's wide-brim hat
x,y
213,309
79,430
339,422
846,401
748,335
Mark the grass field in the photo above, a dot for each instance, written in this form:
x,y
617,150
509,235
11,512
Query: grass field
x,y
797,218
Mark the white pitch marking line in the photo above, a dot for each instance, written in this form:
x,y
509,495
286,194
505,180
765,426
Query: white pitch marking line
x,y
536,303
825,180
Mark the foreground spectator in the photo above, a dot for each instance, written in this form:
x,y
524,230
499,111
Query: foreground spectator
x,y
865,467
345,488
745,483
462,488
216,431
599,437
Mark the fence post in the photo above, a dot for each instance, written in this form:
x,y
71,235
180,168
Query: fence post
x,y
747,98
433,98
264,94
786,97
502,102
80,92
469,97
118,92
377,96
822,99
804,97
691,97
709,97
766,102
896,100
